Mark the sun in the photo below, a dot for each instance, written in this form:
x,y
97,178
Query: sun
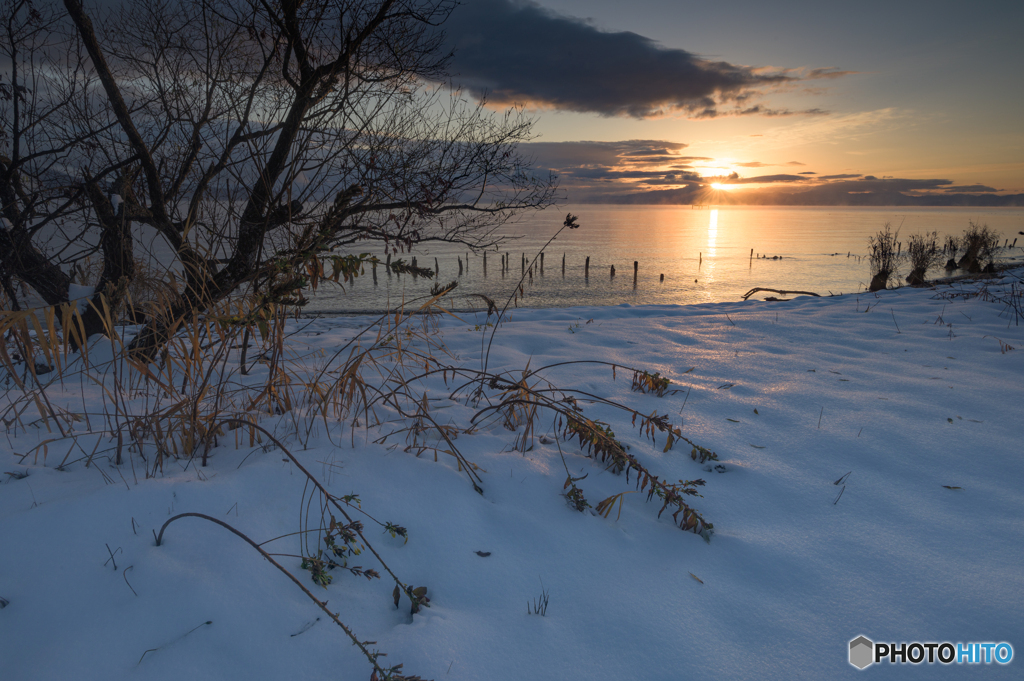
x,y
722,187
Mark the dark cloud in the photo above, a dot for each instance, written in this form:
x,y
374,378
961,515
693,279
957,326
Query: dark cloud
x,y
600,171
840,177
758,110
890,191
808,172
768,179
972,189
609,174
830,73
519,52
870,183
558,155
758,164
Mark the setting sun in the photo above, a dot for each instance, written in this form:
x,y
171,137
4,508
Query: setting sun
x,y
722,187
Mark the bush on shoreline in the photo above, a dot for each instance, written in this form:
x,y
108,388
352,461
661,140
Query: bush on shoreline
x,y
978,245
923,253
883,254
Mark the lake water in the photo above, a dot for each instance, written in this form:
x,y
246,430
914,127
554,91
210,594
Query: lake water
x,y
704,255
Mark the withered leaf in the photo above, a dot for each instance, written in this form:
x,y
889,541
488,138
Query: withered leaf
x,y
483,554
697,578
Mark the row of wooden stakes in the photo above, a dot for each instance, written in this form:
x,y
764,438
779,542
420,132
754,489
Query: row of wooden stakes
x,y
506,267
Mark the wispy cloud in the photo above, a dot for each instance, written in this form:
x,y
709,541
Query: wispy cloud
x,y
829,73
519,52
836,128
759,164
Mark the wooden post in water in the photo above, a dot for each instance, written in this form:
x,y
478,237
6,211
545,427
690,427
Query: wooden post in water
x,y
662,280
387,265
373,266
542,263
700,260
437,270
524,264
636,266
460,266
485,263
414,265
586,269
563,263
613,271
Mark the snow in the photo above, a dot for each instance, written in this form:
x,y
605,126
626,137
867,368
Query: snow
x,y
81,296
115,202
903,393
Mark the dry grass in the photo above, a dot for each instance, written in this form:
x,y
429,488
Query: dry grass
x,y
224,374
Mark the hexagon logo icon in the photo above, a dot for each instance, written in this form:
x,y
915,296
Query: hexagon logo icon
x,y
862,652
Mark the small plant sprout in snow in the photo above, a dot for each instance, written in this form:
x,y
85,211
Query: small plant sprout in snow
x,y
540,604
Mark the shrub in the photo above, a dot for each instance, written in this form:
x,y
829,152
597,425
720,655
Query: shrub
x,y
883,253
922,252
979,244
951,247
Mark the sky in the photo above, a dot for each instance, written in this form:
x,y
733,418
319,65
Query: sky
x,y
796,102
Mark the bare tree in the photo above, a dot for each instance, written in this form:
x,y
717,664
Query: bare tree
x,y
246,139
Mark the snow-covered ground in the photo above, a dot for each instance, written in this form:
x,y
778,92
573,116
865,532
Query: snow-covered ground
x,y
911,398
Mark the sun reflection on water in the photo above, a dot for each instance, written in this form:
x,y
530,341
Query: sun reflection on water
x,y
712,233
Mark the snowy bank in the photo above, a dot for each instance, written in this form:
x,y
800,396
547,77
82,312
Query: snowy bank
x,y
909,399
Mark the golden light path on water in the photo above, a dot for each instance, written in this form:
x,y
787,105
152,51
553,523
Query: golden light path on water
x,y
708,273
686,255
712,233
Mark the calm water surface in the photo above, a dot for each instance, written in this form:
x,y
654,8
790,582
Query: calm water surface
x,y
703,253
